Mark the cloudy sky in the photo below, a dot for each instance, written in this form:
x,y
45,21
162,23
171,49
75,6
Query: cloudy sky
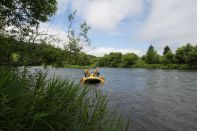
x,y
129,25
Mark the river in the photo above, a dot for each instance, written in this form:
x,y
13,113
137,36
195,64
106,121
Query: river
x,y
153,99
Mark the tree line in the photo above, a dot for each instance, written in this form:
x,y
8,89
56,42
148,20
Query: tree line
x,y
185,56
17,53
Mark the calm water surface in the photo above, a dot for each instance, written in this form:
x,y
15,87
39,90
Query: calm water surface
x,y
154,100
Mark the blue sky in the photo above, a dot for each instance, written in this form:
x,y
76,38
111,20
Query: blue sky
x,y
129,25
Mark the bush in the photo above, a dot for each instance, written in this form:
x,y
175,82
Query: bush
x,y
128,60
32,102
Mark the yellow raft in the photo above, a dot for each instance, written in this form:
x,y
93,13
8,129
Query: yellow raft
x,y
92,79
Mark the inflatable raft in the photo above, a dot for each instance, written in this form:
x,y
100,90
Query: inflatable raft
x,y
92,80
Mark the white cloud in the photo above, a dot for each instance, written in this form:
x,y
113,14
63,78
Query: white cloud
x,y
101,51
169,22
55,31
106,14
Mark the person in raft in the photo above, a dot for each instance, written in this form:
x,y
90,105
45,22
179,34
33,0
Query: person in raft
x,y
96,72
87,73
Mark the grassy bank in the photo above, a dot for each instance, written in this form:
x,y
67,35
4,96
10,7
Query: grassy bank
x,y
161,66
143,64
139,64
32,102
76,66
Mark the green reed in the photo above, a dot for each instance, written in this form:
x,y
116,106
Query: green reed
x,y
35,102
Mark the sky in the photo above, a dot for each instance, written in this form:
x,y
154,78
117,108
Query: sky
x,y
128,25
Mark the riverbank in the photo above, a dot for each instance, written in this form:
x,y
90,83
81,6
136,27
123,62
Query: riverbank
x,y
162,66
144,65
77,66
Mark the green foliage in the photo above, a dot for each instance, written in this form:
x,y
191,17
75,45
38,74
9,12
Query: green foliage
x,y
143,57
187,55
32,102
128,59
185,58
166,49
93,61
103,61
17,53
167,58
81,59
77,40
151,56
5,51
20,13
114,59
142,64
15,57
111,60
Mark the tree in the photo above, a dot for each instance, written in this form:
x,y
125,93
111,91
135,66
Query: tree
x,y
129,59
166,49
26,13
111,60
23,17
143,57
77,41
13,52
168,58
5,51
82,59
186,54
151,56
193,57
102,62
114,59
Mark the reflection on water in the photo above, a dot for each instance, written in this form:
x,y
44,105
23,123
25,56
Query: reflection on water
x,y
154,100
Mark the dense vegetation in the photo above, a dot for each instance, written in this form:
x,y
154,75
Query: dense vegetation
x,y
16,53
185,57
33,102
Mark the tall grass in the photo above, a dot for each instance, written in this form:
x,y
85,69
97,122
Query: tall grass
x,y
32,102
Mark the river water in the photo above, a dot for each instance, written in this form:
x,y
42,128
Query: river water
x,y
153,99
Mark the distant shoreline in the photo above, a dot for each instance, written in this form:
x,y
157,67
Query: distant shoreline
x,y
145,66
